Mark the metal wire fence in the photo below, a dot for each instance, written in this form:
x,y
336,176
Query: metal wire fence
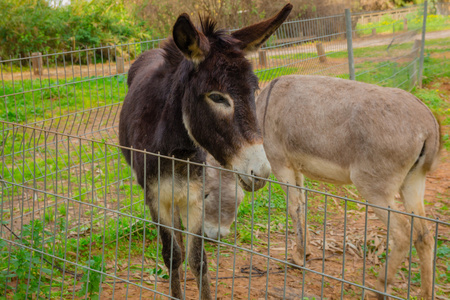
x,y
74,223
72,215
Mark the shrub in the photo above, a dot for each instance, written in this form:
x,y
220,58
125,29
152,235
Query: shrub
x,y
36,26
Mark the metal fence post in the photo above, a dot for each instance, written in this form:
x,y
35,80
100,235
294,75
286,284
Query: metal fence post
x,y
422,49
351,62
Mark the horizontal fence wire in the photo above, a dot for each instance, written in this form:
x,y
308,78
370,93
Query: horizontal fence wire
x,y
74,223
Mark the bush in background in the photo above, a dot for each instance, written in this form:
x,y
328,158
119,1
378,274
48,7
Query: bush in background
x,y
28,26
35,25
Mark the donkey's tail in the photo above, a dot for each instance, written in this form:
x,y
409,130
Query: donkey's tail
x,y
433,147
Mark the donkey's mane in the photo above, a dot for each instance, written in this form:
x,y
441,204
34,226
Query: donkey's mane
x,y
208,27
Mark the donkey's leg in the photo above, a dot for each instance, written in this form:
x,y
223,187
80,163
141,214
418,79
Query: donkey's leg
x,y
382,192
196,254
399,239
296,205
179,239
412,193
172,256
198,266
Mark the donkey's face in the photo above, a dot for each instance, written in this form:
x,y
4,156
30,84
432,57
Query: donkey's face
x,y
219,99
219,114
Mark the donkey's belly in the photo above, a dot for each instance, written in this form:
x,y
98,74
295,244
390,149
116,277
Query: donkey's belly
x,y
321,169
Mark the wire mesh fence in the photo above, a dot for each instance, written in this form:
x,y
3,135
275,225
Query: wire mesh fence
x,y
75,225
74,221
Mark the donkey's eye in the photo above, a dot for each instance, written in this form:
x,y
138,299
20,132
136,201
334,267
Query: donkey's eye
x,y
218,98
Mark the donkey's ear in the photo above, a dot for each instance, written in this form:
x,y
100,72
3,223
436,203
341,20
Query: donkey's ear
x,y
252,37
192,43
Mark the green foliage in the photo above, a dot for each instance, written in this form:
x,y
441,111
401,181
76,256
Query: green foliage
x,y
443,270
28,26
443,252
92,280
433,100
437,22
157,272
24,265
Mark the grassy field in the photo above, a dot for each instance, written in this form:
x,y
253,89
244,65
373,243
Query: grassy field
x,y
99,221
36,100
415,20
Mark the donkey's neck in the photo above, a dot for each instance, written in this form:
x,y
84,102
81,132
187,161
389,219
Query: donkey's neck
x,y
171,130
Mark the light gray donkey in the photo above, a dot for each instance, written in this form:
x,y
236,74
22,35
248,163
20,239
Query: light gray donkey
x,y
382,140
221,194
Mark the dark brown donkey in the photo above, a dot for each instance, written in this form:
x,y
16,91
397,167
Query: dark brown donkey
x,y
195,95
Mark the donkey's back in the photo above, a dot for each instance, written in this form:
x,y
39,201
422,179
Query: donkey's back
x,y
329,127
383,140
147,61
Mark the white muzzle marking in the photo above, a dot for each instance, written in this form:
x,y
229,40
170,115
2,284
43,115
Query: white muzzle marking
x,y
252,161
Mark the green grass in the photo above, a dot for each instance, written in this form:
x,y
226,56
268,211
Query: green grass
x,y
438,22
441,108
296,56
432,46
415,21
270,74
374,52
34,100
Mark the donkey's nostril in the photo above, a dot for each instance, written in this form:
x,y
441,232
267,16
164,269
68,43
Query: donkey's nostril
x,y
253,161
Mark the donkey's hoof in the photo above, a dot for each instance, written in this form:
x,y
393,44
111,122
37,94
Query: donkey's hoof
x,y
425,295
380,287
299,258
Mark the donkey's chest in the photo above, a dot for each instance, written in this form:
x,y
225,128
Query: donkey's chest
x,y
168,192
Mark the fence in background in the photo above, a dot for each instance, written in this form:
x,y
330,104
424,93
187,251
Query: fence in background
x,y
376,17
63,90
71,213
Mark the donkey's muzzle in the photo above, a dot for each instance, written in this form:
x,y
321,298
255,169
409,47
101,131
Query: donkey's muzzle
x,y
252,161
251,184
